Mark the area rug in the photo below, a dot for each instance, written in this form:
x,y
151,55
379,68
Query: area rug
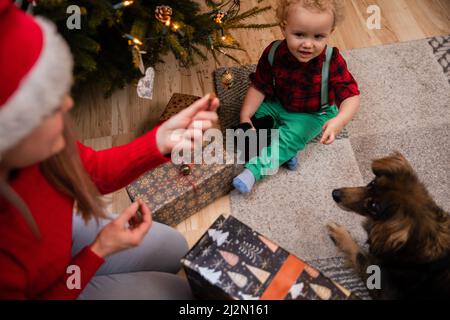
x,y
405,106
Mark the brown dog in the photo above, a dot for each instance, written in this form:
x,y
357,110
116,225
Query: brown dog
x,y
408,234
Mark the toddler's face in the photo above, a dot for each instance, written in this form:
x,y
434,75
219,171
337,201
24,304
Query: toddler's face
x,y
307,32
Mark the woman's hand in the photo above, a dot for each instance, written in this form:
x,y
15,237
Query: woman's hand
x,y
331,129
188,125
121,233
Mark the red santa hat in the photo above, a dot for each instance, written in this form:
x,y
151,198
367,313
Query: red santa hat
x,y
35,72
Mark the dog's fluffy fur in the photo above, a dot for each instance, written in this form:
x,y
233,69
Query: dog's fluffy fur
x,y
408,234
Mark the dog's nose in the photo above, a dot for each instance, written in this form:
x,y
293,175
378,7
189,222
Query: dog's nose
x,y
337,195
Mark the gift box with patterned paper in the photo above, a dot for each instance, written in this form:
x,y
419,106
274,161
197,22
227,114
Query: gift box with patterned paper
x,y
177,102
232,261
174,195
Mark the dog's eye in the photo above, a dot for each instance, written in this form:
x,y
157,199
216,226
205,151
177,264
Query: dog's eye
x,y
371,184
372,206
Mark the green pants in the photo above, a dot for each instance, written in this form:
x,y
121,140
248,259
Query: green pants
x,y
295,130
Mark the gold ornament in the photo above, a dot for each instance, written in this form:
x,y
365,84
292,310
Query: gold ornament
x,y
163,14
185,170
227,79
218,17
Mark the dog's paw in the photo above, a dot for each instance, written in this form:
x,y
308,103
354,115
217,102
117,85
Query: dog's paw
x,y
342,238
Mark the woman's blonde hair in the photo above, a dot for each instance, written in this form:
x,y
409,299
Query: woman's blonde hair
x,y
67,173
335,6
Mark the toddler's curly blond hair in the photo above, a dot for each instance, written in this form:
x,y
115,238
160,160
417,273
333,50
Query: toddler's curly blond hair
x,y
336,7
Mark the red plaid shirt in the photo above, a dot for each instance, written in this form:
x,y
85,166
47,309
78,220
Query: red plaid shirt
x,y
297,84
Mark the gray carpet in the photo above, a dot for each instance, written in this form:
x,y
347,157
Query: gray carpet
x,y
406,107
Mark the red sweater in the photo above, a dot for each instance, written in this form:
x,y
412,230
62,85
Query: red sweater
x,y
37,269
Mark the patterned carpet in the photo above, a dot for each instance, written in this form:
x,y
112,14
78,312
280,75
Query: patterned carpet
x,y
405,106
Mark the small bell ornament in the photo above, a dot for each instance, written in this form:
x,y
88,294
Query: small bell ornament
x,y
227,79
185,170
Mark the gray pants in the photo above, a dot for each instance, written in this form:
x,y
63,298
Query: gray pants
x,y
145,272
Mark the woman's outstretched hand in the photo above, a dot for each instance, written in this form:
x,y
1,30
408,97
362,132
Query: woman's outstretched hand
x,y
127,231
186,127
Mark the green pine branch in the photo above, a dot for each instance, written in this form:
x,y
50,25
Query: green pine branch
x,y
199,53
253,12
228,56
252,26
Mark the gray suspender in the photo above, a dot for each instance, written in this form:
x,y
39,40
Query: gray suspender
x,y
272,51
325,77
271,57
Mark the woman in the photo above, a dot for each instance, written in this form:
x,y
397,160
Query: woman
x,y
44,172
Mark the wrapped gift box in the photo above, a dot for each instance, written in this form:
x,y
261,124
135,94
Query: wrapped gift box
x,y
177,102
232,261
173,196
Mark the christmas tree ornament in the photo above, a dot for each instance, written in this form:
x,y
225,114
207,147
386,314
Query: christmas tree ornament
x,y
218,17
164,14
137,58
227,79
146,84
185,169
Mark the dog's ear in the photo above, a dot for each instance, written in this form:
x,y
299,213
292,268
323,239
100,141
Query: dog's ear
x,y
395,164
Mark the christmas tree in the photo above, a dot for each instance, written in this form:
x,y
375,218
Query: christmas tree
x,y
116,40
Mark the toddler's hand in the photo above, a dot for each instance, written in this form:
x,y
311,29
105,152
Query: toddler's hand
x,y
331,129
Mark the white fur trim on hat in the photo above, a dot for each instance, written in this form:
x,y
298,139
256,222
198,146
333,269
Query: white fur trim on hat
x,y
40,92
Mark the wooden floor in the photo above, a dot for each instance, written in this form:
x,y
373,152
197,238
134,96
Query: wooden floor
x,y
103,123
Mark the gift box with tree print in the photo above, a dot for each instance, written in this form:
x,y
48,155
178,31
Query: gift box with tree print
x,y
232,261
